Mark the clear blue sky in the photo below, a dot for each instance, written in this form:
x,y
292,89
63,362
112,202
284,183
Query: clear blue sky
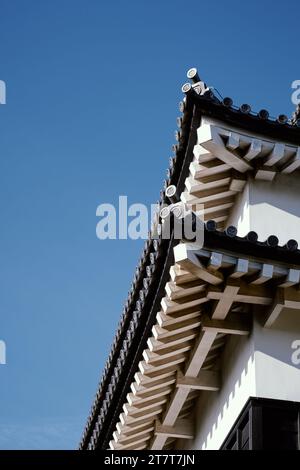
x,y
92,100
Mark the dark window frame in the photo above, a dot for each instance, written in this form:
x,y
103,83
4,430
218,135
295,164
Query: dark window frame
x,y
254,421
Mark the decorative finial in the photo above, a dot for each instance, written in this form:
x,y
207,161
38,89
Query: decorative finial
x,y
192,74
186,88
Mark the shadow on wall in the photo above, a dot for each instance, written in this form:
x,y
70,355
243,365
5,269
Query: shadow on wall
x,y
217,411
260,365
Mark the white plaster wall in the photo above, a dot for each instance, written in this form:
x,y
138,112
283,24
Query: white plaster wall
x,y
275,374
240,213
258,366
216,412
269,207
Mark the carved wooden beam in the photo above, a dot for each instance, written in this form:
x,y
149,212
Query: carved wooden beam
x,y
258,295
293,164
206,380
275,155
210,139
232,327
254,149
265,174
265,274
182,429
225,302
289,298
187,259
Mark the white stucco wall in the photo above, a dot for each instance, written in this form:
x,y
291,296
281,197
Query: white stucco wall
x,y
269,207
240,213
260,365
217,411
257,366
275,374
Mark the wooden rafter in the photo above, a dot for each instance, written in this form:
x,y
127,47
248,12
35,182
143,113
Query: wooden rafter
x,y
186,341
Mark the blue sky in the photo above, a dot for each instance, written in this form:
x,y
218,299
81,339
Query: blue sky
x,y
92,99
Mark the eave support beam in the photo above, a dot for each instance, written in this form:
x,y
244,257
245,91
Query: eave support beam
x,y
182,429
187,259
284,298
210,139
231,327
207,380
